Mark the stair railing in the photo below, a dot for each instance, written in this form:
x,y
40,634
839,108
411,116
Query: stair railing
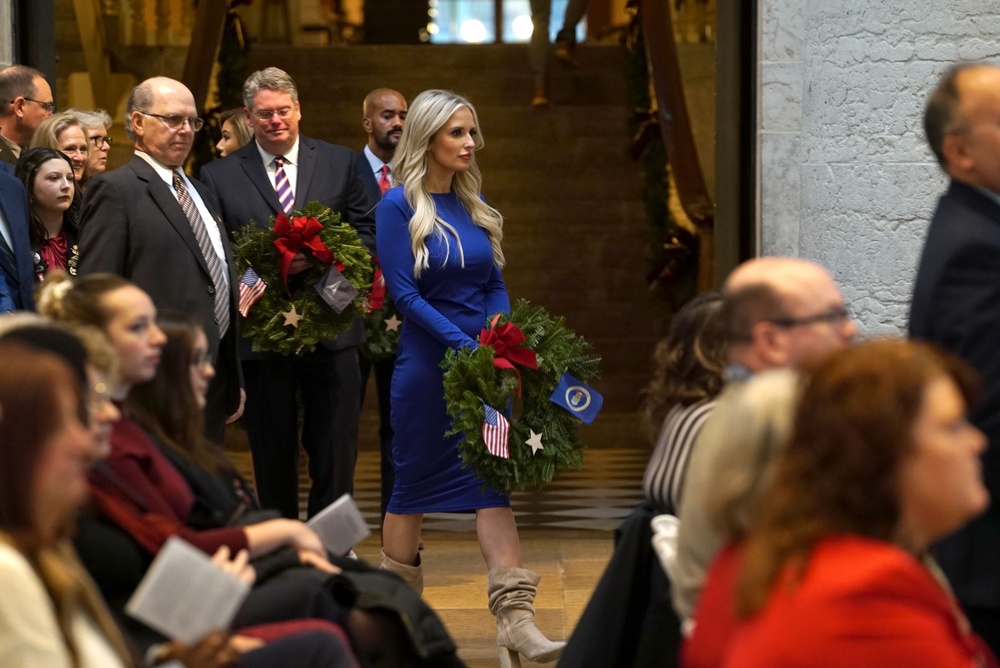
x,y
675,128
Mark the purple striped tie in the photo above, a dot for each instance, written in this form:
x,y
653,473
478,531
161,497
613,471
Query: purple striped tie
x,y
282,186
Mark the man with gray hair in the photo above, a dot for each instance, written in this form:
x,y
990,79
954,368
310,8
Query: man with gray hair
x,y
956,305
281,170
150,223
26,100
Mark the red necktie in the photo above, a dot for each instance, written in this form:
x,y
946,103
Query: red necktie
x,y
383,182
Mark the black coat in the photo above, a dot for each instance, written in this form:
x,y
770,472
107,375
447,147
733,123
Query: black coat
x,y
956,305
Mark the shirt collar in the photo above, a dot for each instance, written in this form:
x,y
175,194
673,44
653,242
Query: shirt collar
x,y
373,160
736,373
994,197
166,173
291,157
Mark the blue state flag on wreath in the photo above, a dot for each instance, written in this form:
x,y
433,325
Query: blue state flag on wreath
x,y
578,398
496,431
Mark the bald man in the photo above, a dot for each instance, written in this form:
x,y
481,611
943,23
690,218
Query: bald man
x,y
956,305
383,115
133,224
779,313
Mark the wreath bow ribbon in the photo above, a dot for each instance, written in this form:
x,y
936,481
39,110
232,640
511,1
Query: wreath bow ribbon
x,y
292,234
506,341
376,297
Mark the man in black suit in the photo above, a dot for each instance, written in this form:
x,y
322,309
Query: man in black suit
x,y
153,225
329,378
25,101
15,248
382,116
956,304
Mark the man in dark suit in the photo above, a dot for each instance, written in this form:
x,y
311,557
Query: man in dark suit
x,y
383,115
15,248
25,101
153,225
956,304
329,379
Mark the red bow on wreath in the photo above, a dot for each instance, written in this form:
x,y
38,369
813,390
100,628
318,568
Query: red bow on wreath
x,y
376,296
291,235
506,342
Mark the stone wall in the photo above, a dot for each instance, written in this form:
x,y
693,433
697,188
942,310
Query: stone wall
x,y
846,177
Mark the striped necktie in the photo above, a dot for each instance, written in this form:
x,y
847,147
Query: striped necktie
x,y
212,259
282,186
384,183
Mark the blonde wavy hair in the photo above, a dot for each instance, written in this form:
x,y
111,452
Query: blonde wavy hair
x,y
429,113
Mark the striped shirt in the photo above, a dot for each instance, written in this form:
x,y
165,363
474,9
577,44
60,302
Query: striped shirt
x,y
663,482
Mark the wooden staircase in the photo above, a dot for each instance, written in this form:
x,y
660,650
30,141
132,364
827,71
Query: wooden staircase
x,y
575,230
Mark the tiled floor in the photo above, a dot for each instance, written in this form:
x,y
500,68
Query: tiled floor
x,y
566,536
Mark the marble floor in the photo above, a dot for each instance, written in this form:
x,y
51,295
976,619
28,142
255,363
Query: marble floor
x,y
566,536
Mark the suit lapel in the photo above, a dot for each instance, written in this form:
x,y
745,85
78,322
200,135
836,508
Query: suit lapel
x,y
18,236
253,166
165,200
307,167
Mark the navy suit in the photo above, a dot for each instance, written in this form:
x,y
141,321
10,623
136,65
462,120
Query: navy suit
x,y
16,271
132,225
329,378
956,305
383,368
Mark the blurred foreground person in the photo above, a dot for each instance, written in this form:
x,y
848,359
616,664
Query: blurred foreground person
x,y
881,463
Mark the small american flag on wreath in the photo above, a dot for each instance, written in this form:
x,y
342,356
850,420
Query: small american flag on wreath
x,y
496,429
252,287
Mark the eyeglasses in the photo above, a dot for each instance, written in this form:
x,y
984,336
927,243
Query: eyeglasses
x,y
176,121
47,106
830,317
100,140
268,114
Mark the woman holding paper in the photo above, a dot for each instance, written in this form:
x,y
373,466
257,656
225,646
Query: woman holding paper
x,y
439,245
143,499
51,614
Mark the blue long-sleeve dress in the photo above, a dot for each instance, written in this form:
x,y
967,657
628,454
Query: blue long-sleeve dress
x,y
446,308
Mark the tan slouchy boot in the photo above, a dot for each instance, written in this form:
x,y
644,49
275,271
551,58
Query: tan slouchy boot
x,y
412,575
512,595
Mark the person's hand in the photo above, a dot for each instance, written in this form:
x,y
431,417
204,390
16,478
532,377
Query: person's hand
x,y
244,644
314,560
238,565
239,411
212,651
298,265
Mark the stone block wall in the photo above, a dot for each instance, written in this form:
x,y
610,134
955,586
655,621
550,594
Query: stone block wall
x,y
845,175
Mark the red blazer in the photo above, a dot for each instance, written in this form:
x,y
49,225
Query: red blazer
x,y
861,602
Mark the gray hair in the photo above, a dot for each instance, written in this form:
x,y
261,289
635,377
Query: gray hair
x,y
17,81
270,78
92,119
48,131
141,99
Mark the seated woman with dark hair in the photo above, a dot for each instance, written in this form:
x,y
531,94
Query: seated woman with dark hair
x,y
54,208
834,571
681,396
143,499
51,614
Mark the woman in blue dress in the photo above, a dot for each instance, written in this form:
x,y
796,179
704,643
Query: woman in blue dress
x,y
439,246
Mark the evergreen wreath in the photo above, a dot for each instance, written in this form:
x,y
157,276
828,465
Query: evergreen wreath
x,y
381,342
266,321
471,379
